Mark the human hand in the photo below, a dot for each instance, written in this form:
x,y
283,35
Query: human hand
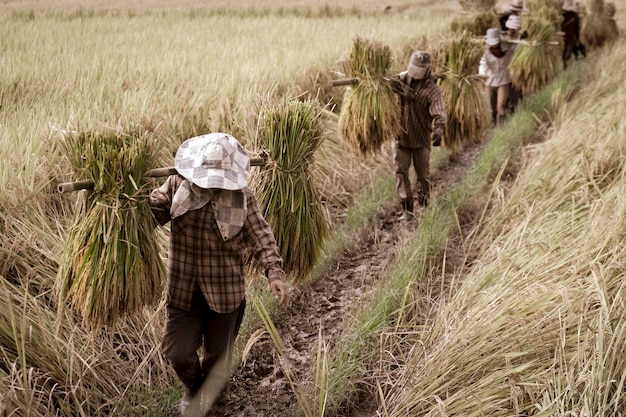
x,y
436,139
280,291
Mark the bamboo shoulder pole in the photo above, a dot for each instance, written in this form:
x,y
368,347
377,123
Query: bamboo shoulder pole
x,y
348,81
68,187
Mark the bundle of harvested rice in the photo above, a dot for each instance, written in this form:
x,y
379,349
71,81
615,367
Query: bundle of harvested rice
x,y
455,60
597,28
111,265
537,60
477,23
609,14
369,113
292,131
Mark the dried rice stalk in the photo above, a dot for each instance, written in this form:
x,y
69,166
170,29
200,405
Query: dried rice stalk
x,y
455,60
598,26
369,114
292,131
111,264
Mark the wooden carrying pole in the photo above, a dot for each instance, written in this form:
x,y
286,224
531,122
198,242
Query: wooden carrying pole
x,y
67,187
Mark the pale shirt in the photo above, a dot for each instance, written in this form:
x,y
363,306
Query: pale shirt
x,y
496,70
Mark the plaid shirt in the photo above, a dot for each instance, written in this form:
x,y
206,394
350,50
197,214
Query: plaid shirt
x,y
200,257
422,111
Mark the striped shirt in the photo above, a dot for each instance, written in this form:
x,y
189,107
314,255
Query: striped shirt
x,y
199,256
422,111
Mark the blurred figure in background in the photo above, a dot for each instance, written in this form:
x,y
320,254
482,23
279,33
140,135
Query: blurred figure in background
x,y
514,35
494,67
515,9
570,27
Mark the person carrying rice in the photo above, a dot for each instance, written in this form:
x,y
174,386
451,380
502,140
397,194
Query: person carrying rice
x,y
513,35
515,9
570,26
423,119
494,66
214,217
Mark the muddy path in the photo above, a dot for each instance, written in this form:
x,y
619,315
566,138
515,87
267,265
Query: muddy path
x,y
259,387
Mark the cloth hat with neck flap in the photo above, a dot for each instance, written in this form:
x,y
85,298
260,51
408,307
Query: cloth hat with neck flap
x,y
419,65
215,160
517,6
215,168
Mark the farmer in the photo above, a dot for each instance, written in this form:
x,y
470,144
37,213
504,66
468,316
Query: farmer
x,y
515,9
214,218
423,119
514,35
494,66
570,27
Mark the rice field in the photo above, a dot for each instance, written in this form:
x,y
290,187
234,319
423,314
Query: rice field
x,y
178,71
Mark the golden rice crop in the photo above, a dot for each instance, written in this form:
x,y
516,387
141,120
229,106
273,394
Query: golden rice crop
x,y
292,131
369,113
111,265
536,62
476,23
455,60
477,5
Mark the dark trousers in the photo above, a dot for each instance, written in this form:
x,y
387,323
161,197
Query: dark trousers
x,y
420,158
187,331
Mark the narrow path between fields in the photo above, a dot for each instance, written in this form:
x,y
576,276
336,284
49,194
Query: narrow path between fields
x,y
259,387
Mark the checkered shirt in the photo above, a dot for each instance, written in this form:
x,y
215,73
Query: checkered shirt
x,y
422,112
198,253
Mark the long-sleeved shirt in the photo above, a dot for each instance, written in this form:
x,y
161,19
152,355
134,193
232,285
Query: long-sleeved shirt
x,y
497,69
422,111
200,257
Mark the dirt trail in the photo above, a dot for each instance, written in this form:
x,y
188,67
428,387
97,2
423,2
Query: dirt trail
x,y
259,387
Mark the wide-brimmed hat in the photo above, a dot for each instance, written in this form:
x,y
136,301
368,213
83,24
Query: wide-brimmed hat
x,y
514,22
493,37
570,6
215,160
418,64
517,6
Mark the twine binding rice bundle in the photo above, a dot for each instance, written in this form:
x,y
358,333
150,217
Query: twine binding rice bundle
x,y
111,264
291,132
369,114
455,60
537,61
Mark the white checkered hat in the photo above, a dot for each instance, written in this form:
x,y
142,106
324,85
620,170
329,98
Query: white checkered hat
x,y
215,160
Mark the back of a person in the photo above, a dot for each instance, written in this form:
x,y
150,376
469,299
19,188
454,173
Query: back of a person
x,y
570,26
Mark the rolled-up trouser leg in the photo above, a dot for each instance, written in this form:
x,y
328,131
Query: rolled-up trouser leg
x,y
402,162
421,163
502,98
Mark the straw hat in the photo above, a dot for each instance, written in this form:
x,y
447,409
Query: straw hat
x,y
517,6
569,5
215,160
493,37
419,65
